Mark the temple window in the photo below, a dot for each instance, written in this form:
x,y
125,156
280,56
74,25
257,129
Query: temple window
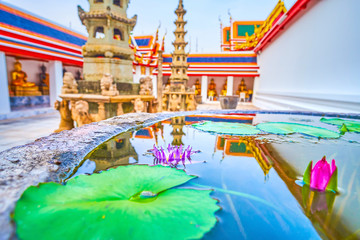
x,y
99,33
184,71
98,1
178,58
177,71
183,58
118,35
117,3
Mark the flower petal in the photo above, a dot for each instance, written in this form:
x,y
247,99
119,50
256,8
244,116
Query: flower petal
x,y
320,175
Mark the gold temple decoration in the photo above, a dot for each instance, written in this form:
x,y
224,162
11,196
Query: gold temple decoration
x,y
259,32
212,93
19,83
224,89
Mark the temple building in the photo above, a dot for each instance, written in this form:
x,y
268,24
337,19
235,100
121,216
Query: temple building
x,y
34,52
308,56
286,61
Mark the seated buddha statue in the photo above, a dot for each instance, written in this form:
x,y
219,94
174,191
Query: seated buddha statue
x,y
19,77
197,87
224,89
242,87
212,90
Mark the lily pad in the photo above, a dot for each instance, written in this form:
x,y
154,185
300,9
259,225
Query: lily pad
x,y
130,202
227,128
345,125
284,128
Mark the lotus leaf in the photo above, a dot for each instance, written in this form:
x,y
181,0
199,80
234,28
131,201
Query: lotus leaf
x,y
129,202
284,128
227,128
345,125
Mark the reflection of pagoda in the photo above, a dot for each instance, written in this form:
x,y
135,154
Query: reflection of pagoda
x,y
243,147
115,152
177,123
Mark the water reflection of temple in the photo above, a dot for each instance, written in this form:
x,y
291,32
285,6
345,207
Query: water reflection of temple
x,y
243,147
177,124
116,152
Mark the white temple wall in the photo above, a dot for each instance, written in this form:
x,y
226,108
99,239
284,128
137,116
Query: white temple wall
x,y
313,64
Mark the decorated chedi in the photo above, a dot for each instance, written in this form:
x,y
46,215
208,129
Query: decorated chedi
x,y
19,83
107,50
107,88
178,98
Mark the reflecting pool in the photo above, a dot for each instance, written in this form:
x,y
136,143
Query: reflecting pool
x,y
257,179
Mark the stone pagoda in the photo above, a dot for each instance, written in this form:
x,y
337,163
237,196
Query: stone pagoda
x,y
179,64
176,96
107,50
108,89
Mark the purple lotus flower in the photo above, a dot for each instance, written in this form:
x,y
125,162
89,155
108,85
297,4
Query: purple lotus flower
x,y
172,156
323,176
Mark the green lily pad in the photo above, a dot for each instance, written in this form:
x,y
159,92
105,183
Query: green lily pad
x,y
227,128
345,125
284,128
130,202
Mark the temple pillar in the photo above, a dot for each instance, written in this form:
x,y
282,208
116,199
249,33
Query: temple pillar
x,y
204,88
56,80
230,86
154,82
4,86
137,75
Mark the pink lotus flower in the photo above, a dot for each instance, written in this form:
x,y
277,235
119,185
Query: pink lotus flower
x,y
323,176
173,155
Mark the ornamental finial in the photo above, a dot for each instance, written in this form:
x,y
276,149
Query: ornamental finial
x,y
181,5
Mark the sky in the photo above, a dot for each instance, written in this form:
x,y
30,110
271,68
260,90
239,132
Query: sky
x,y
202,15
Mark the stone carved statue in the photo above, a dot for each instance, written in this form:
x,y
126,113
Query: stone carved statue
x,y
190,103
108,87
69,84
139,106
164,103
146,86
80,113
66,122
19,77
174,103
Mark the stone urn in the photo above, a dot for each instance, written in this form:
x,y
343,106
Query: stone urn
x,y
229,102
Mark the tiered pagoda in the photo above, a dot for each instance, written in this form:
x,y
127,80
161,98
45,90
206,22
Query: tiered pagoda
x,y
107,50
176,97
179,64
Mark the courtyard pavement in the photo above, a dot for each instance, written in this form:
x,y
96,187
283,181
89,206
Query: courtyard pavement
x,y
21,131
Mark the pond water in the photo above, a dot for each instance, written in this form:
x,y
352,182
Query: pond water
x,y
257,179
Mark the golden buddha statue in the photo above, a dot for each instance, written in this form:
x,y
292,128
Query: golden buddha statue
x,y
197,87
19,77
19,84
242,87
224,90
212,90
